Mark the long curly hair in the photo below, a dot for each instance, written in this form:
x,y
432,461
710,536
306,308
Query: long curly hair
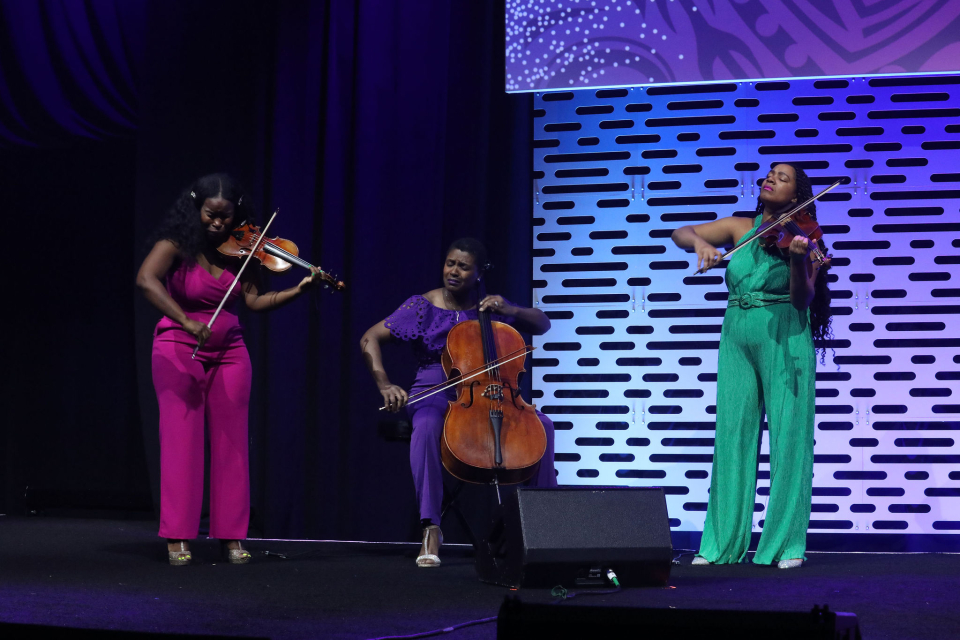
x,y
181,224
820,314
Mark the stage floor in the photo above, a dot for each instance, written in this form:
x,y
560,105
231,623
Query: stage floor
x,y
110,574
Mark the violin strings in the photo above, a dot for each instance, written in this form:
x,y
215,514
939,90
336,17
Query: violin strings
x,y
284,252
294,259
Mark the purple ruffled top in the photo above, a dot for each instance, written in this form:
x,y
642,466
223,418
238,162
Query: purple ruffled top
x,y
426,326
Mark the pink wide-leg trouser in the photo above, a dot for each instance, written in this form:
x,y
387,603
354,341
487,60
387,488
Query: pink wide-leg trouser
x,y
211,391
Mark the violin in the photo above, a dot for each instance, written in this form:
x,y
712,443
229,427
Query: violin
x,y
490,434
781,231
275,254
775,235
246,241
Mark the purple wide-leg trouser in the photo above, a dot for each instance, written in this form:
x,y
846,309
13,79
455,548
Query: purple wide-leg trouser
x,y
427,419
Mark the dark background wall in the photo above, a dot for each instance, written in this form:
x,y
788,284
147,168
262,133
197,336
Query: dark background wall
x,y
70,433
382,132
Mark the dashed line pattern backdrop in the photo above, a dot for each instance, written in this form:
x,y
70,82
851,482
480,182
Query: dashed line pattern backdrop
x,y
628,369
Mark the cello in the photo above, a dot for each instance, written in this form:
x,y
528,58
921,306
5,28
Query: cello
x,y
490,434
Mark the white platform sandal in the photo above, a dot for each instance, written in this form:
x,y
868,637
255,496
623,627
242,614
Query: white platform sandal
x,y
432,539
793,563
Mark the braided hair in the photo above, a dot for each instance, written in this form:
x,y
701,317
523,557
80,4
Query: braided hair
x,y
181,224
820,314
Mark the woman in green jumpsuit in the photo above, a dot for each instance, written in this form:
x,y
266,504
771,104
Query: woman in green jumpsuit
x,y
767,362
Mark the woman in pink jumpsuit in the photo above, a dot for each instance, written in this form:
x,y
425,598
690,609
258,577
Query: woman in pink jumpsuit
x,y
185,277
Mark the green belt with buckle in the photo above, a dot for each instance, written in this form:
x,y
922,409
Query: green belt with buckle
x,y
756,299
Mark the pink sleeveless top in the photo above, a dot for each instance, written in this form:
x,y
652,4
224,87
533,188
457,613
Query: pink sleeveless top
x,y
199,293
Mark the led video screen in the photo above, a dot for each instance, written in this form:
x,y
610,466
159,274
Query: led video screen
x,y
569,44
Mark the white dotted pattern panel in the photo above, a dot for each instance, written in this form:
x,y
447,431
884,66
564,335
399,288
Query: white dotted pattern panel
x,y
628,369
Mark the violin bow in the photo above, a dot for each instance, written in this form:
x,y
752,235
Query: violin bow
x,y
443,386
256,246
756,234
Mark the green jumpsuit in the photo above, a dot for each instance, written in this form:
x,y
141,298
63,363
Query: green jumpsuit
x,y
766,361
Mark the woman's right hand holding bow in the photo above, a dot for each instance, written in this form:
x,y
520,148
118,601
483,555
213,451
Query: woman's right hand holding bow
x,y
707,255
394,397
198,330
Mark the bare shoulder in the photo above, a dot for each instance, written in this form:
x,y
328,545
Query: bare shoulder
x,y
164,247
724,231
434,297
739,226
161,259
163,254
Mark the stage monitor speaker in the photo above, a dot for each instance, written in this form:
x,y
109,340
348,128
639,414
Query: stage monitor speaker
x,y
520,621
572,535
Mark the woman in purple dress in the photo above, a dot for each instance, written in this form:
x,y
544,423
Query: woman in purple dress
x,y
424,321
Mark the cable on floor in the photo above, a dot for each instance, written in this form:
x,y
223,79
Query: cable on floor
x,y
437,632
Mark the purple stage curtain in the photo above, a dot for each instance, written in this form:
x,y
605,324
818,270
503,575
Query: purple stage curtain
x,y
390,136
69,69
381,130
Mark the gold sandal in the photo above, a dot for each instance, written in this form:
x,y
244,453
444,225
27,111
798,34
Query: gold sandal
x,y
432,539
236,556
180,557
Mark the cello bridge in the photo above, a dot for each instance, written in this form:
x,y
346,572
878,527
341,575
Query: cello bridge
x,y
493,392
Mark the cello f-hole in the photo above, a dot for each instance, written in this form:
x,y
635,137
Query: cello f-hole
x,y
472,385
514,393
